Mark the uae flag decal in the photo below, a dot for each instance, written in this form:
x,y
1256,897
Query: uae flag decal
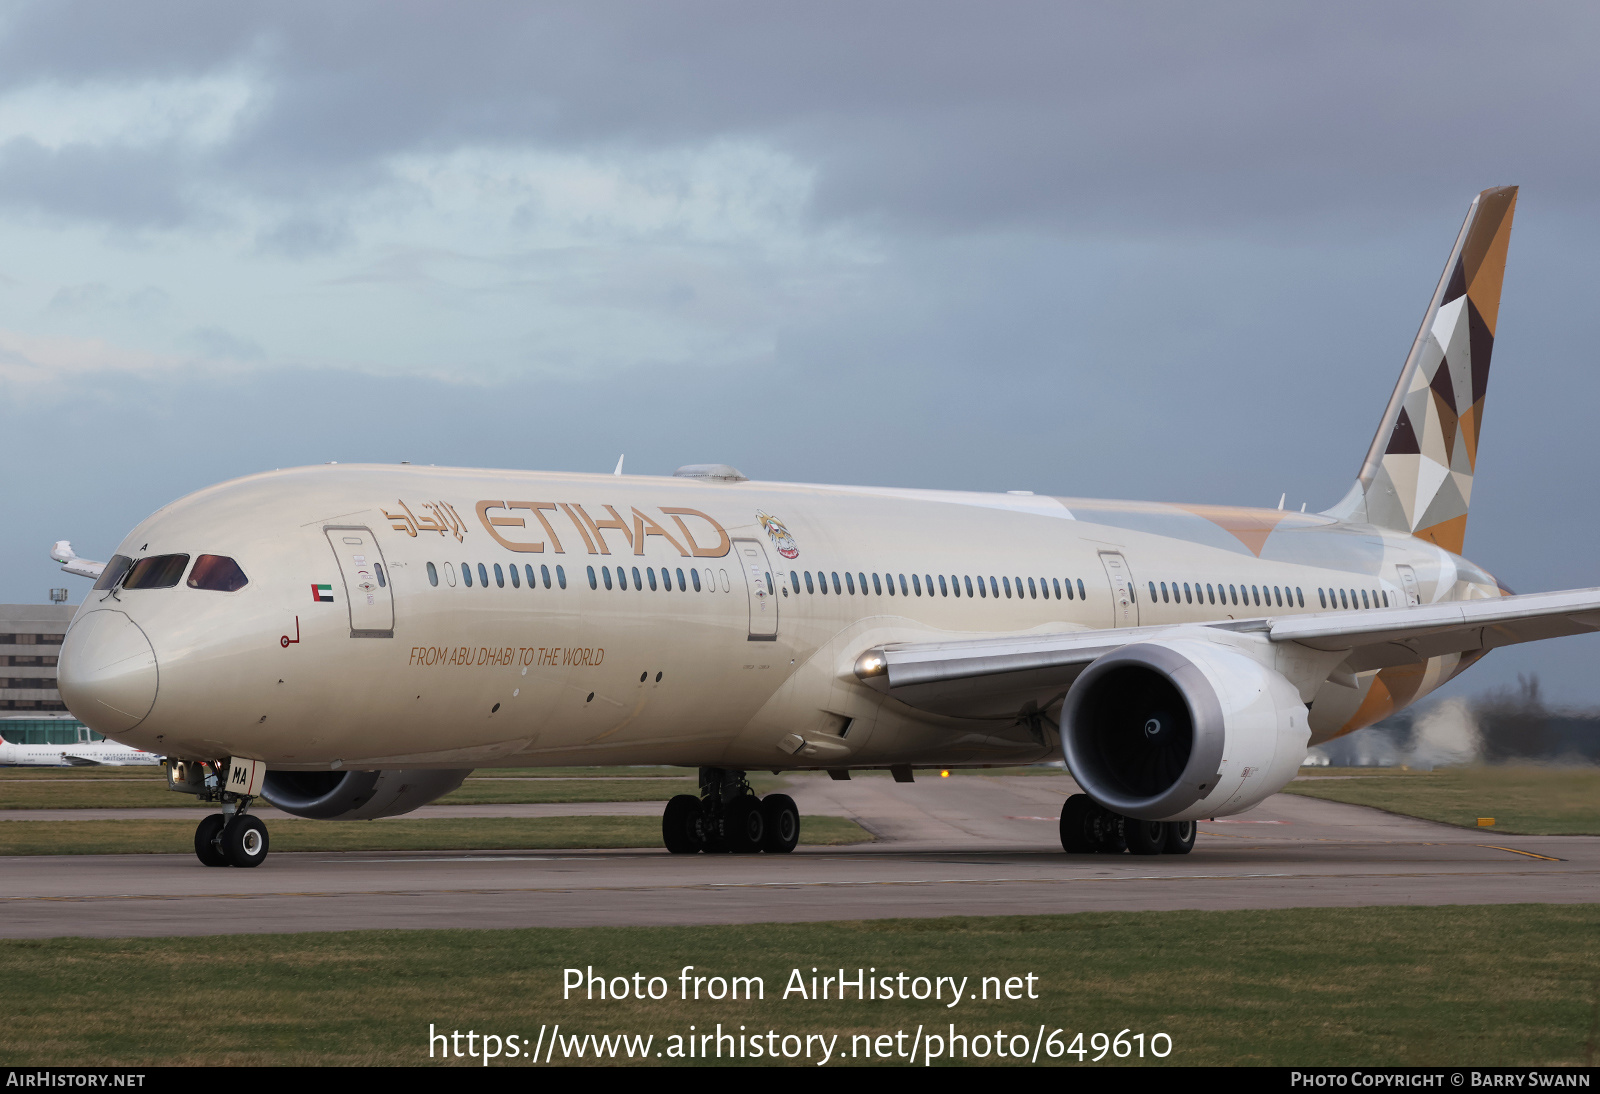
x,y
322,594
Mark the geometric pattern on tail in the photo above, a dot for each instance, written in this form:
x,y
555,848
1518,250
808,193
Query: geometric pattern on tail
x,y
1422,482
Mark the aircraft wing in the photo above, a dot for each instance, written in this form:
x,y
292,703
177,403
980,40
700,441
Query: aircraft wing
x,y
1006,675
63,553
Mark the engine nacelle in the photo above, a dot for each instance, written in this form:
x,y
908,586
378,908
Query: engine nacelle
x,y
357,795
1181,730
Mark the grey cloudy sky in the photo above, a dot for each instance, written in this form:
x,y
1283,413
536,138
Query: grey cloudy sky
x,y
1159,251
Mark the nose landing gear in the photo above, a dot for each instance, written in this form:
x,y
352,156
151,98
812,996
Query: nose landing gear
x,y
232,837
728,817
1090,828
231,840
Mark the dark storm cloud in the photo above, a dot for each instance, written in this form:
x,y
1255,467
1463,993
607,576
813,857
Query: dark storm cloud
x,y
942,117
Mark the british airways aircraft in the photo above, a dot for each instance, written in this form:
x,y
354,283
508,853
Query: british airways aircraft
x,y
351,641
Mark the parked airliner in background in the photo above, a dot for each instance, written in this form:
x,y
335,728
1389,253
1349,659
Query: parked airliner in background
x,y
83,754
351,641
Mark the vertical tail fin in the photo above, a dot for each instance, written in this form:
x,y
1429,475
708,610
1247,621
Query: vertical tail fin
x,y
1417,476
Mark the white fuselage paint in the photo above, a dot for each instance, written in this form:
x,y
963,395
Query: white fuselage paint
x,y
476,676
93,753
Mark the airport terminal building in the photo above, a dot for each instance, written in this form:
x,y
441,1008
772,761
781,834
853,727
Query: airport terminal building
x,y
31,710
30,644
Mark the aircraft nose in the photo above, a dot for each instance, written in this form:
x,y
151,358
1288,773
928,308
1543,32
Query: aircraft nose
x,y
107,672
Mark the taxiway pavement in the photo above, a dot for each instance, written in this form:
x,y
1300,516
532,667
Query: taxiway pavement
x,y
966,845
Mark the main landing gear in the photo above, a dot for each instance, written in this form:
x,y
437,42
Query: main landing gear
x,y
728,817
1089,828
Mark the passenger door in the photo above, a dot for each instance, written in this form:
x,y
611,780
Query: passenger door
x,y
1124,603
1408,581
366,580
759,584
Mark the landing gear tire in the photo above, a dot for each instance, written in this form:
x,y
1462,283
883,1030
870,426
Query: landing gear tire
x,y
206,841
680,825
782,824
1180,837
244,841
1144,837
743,825
1107,829
1077,838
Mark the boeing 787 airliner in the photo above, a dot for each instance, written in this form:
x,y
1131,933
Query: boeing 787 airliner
x,y
351,641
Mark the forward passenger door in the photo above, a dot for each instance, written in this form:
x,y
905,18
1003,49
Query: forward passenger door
x,y
366,580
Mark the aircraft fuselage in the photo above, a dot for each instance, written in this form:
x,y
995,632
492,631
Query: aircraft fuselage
x,y
672,621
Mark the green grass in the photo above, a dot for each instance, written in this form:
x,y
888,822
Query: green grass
x,y
1522,799
47,790
1490,985
132,837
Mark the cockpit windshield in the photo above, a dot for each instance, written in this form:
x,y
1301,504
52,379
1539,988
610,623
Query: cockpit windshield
x,y
156,572
217,572
113,572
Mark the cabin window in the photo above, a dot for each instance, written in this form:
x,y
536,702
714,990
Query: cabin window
x,y
916,583
113,572
877,586
433,575
1300,596
1322,595
1081,594
377,568
838,589
449,575
683,585
544,572
516,578
593,584
850,582
1032,592
810,586
1386,598
1364,602
862,578
650,573
1343,602
944,590
221,574
466,574
694,575
794,579
533,578
156,572
561,577
499,577
483,575
1152,592
904,590
605,575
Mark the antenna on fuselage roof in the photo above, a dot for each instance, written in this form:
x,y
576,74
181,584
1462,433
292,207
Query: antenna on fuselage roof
x,y
620,458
